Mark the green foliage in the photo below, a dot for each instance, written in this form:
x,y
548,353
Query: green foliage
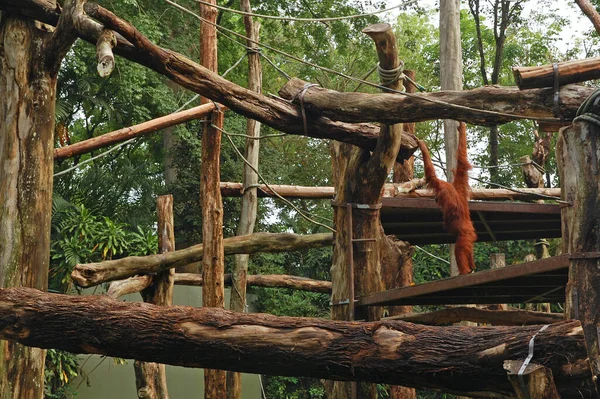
x,y
61,368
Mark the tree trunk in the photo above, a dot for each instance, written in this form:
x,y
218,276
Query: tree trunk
x,y
250,194
579,168
28,86
90,274
151,378
396,256
493,155
463,360
213,262
360,177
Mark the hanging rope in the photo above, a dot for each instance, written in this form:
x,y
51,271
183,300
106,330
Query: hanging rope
x,y
588,110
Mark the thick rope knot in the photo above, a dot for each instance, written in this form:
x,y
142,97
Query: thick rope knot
x,y
389,76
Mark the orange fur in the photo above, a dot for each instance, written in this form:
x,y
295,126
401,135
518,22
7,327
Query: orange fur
x,y
452,198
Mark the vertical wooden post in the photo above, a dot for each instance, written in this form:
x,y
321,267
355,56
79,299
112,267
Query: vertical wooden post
x,y
396,264
496,262
27,108
579,169
249,179
213,260
151,378
450,79
359,177
535,382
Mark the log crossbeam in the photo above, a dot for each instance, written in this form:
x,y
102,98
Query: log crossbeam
x,y
470,361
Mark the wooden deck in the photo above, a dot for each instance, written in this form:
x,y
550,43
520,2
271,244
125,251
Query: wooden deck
x,y
419,221
542,280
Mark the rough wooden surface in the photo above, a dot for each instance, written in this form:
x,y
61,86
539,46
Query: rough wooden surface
x,y
127,133
579,168
151,378
104,55
569,72
465,360
89,274
249,209
492,317
398,190
29,61
213,261
394,108
138,283
264,280
536,382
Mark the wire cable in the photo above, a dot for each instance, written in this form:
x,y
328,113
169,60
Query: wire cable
x,y
432,255
352,78
260,176
326,19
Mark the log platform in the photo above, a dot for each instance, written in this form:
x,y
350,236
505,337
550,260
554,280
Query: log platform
x,y
542,280
419,220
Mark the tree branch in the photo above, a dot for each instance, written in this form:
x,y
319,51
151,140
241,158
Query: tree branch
x,y
469,361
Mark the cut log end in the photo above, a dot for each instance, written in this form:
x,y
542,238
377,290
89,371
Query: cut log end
x,y
376,29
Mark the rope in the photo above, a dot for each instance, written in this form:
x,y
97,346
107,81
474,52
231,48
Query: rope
x,y
389,76
432,255
300,96
328,19
352,78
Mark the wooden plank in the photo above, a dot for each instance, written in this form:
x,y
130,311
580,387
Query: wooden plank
x,y
479,278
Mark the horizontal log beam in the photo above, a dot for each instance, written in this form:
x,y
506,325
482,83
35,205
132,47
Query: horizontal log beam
x,y
397,108
136,284
264,280
493,317
127,133
461,360
401,190
574,71
280,115
90,274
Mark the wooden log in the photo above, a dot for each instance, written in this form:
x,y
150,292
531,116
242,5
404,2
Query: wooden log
x,y
272,112
493,317
537,103
249,206
590,11
150,377
104,55
394,108
396,190
138,283
536,382
90,274
470,361
579,170
213,264
127,133
575,71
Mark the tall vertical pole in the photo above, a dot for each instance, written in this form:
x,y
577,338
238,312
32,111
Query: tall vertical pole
x,y
213,291
151,378
249,180
450,79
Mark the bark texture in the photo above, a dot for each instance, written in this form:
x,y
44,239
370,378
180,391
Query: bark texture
x,y
90,274
394,108
575,71
409,189
29,61
249,179
151,378
465,360
579,168
130,132
536,382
